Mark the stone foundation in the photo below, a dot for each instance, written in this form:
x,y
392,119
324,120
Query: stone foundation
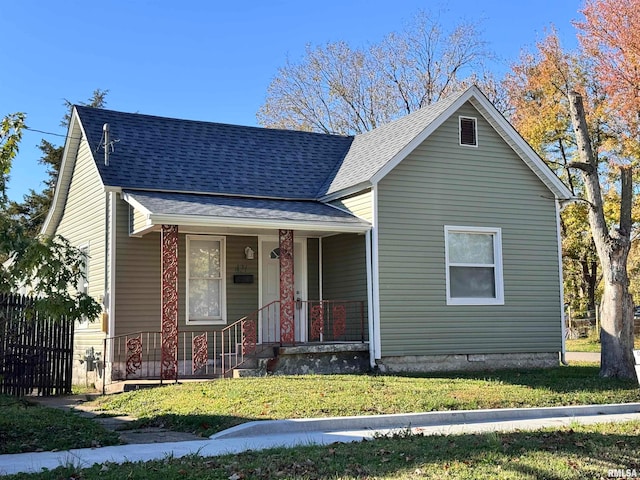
x,y
475,362
82,377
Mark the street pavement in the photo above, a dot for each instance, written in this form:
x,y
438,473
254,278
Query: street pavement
x,y
323,431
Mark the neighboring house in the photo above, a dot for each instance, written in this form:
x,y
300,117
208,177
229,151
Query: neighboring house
x,y
429,243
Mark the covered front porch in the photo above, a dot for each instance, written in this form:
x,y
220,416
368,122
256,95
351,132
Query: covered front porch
x,y
238,299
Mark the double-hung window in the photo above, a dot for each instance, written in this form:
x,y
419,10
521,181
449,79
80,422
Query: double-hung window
x,y
206,280
473,266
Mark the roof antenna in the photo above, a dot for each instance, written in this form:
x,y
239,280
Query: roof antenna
x,y
105,133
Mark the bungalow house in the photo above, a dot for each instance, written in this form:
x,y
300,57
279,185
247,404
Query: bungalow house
x,y
430,243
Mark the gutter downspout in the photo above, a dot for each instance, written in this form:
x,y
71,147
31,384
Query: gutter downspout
x,y
372,353
112,263
563,323
375,278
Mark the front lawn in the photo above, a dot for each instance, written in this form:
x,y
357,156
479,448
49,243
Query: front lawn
x,y
209,407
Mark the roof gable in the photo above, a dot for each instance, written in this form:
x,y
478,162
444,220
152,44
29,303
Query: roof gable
x,y
63,183
166,154
374,154
373,150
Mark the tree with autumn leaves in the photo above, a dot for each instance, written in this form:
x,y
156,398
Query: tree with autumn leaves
x,y
581,112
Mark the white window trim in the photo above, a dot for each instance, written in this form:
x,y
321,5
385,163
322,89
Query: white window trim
x,y
475,128
497,258
223,284
83,323
85,249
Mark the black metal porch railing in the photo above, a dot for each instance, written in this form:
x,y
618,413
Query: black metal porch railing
x,y
138,355
211,354
326,321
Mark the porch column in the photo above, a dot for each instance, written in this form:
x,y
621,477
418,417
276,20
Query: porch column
x,y
169,318
287,293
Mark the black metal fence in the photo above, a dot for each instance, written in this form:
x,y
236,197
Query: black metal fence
x,y
36,352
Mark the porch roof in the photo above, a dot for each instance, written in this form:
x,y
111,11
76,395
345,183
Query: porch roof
x,y
171,208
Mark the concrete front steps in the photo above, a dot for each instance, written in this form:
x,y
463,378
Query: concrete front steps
x,y
332,358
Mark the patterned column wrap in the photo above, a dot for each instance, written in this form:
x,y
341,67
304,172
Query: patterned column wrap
x,y
287,288
169,355
200,353
134,355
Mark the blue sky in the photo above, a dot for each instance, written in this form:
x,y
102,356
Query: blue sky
x,y
206,59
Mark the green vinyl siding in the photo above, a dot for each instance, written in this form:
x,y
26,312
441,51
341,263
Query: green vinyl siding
x,y
344,268
359,204
242,298
138,262
83,224
442,183
138,276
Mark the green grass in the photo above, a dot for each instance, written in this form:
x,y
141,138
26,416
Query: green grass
x,y
209,407
579,452
27,427
589,344
582,345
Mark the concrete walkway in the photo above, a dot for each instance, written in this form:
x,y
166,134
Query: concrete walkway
x,y
323,431
582,356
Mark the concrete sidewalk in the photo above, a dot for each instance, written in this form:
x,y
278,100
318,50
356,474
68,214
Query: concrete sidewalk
x,y
323,431
582,356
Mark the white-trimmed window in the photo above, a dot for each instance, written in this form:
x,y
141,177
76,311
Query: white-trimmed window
x,y
474,265
83,279
468,131
206,289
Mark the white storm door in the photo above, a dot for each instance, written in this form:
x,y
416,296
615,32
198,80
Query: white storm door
x,y
270,290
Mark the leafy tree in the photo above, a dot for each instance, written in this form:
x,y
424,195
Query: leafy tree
x,y
10,136
340,89
537,90
552,115
47,267
33,209
611,37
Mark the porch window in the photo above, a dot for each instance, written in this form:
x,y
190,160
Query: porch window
x,y
206,280
473,266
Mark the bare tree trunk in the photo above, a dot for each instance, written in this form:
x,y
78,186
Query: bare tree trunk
x,y
616,311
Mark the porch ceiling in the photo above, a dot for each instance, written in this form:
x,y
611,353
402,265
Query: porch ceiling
x,y
238,213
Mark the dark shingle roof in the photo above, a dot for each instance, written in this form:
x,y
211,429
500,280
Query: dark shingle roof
x,y
162,203
157,153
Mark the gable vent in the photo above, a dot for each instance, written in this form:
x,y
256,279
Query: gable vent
x,y
468,133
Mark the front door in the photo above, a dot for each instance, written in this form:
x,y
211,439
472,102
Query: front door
x,y
270,290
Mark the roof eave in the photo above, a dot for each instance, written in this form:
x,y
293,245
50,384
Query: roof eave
x,y
61,191
345,192
214,221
